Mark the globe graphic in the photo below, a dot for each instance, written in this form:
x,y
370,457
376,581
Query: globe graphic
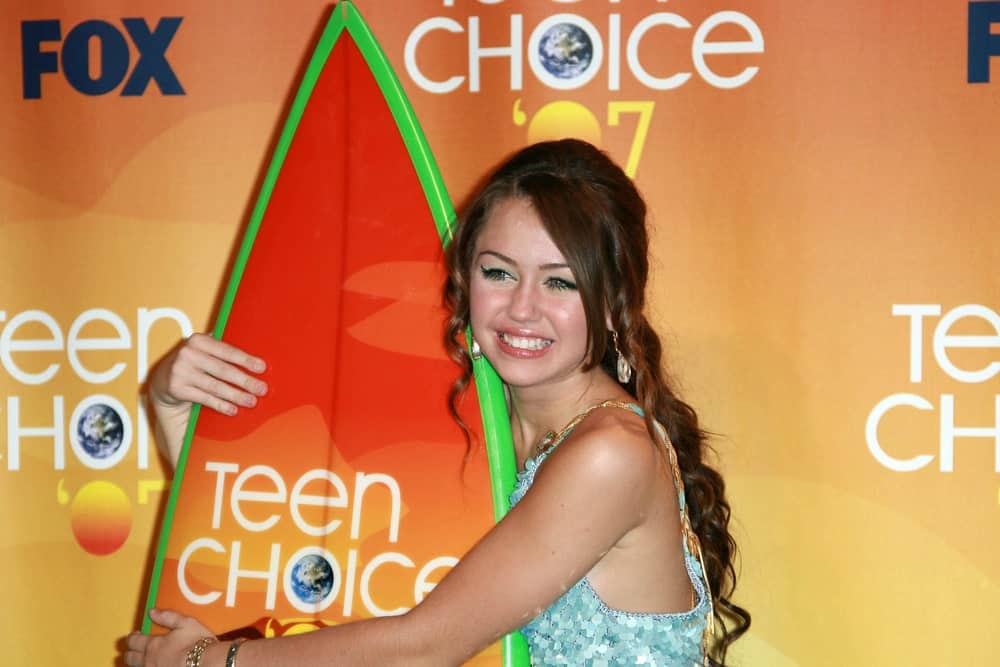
x,y
100,430
565,51
312,578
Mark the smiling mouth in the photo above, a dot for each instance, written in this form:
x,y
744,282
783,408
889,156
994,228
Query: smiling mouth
x,y
524,342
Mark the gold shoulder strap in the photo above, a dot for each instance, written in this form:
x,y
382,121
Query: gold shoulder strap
x,y
551,439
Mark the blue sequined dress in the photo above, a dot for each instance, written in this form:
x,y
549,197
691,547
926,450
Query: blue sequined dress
x,y
580,629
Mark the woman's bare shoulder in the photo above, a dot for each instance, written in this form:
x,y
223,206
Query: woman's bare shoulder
x,y
610,446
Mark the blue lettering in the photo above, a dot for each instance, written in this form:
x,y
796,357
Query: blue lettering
x,y
76,57
34,61
152,63
982,43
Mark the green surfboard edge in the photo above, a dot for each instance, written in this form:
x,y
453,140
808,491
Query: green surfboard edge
x,y
329,37
492,400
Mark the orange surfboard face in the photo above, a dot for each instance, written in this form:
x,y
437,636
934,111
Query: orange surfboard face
x,y
348,491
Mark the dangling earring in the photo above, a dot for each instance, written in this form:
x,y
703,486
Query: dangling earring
x,y
624,370
474,351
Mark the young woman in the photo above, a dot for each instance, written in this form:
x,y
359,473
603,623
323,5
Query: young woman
x,y
617,549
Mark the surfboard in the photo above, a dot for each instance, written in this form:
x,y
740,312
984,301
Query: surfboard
x,y
348,491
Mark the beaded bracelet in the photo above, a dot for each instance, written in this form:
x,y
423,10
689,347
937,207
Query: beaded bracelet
x,y
233,648
194,655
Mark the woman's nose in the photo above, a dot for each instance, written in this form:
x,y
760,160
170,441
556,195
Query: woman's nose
x,y
524,303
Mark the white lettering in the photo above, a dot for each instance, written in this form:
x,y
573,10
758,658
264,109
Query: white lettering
x,y
632,51
298,498
222,469
410,55
916,313
700,47
182,583
512,51
943,341
569,74
15,432
350,578
949,432
75,343
361,484
871,432
614,51
142,433
366,575
146,318
8,345
421,586
270,575
278,496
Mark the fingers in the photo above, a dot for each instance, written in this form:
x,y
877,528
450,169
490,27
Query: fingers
x,y
136,641
135,653
224,394
208,371
234,377
226,352
167,618
164,649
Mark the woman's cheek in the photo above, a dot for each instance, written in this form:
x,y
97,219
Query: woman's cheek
x,y
478,303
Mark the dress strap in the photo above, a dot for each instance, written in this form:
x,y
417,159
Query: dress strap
x,y
552,439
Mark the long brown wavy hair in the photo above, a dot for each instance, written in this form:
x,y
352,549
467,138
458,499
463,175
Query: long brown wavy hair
x,y
597,219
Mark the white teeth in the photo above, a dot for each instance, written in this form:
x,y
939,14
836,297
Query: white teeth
x,y
525,343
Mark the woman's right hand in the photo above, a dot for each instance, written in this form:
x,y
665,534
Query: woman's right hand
x,y
206,371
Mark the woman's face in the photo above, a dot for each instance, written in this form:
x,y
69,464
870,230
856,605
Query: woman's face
x,y
525,310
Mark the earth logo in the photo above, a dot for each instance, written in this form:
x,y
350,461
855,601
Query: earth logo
x,y
565,51
312,578
100,430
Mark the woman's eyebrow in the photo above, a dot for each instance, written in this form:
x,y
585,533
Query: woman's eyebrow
x,y
545,267
498,255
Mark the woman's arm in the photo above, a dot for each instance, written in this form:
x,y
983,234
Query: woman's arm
x,y
588,494
200,370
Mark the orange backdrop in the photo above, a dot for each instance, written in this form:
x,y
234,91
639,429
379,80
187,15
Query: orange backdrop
x,y
823,208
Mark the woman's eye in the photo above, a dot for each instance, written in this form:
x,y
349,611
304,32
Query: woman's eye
x,y
494,273
561,284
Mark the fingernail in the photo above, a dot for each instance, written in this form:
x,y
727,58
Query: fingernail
x,y
249,401
259,366
230,410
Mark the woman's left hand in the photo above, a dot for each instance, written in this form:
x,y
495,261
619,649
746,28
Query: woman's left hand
x,y
169,650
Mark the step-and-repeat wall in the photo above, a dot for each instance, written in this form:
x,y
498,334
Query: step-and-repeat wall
x,y
823,186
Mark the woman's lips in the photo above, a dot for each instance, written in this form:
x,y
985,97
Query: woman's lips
x,y
523,347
